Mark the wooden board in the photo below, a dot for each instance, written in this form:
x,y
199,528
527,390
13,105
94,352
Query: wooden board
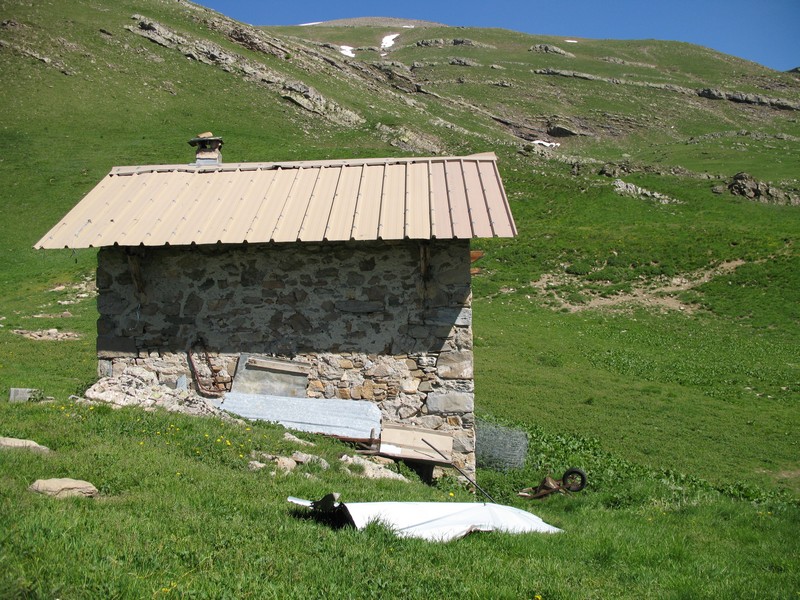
x,y
399,441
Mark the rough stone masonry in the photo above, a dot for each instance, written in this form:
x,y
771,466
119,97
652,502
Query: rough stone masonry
x,y
389,322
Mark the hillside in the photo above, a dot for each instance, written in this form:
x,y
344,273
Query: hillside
x,y
644,324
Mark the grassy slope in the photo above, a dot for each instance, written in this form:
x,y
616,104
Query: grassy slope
x,y
183,517
712,395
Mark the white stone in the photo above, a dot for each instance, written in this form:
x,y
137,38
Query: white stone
x,y
296,440
64,488
450,402
14,443
371,470
303,458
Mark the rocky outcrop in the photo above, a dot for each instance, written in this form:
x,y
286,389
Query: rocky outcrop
x,y
212,54
749,187
710,93
30,53
743,98
464,62
441,43
563,129
634,191
398,75
550,49
628,63
411,141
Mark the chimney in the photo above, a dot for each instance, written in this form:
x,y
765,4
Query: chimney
x,y
208,149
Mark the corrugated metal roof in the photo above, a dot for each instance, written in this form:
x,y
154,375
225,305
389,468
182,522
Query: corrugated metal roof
x,y
232,203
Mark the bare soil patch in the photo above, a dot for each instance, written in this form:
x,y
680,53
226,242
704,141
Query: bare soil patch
x,y
660,294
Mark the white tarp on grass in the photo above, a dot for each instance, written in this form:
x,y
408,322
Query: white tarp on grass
x,y
435,521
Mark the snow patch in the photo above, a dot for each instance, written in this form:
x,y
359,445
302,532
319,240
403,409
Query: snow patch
x,y
307,24
388,41
546,144
571,41
347,51
408,27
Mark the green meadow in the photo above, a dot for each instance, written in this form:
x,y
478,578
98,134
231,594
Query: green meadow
x,y
656,346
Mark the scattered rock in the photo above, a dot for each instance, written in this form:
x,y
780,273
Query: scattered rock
x,y
302,458
411,141
634,191
710,93
64,488
630,63
48,334
209,53
7,443
550,49
440,42
296,440
285,464
25,51
371,470
64,315
614,170
139,387
464,62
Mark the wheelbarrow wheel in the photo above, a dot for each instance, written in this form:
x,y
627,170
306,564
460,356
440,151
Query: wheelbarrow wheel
x,y
574,479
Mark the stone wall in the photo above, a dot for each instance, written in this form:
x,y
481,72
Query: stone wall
x,y
389,322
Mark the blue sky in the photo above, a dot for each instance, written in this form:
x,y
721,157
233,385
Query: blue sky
x,y
764,31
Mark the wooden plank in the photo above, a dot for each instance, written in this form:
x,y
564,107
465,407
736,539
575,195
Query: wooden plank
x,y
399,441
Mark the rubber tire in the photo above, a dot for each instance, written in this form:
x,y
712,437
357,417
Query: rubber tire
x,y
574,479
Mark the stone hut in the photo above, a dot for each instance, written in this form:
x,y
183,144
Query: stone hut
x,y
343,279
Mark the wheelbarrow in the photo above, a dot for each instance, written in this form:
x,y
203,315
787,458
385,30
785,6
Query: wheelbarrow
x,y
573,480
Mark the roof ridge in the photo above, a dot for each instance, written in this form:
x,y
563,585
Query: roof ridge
x,y
252,166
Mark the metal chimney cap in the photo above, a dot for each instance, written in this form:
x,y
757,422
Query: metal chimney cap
x,y
206,140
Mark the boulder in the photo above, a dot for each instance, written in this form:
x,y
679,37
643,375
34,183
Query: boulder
x,y
64,488
303,458
747,186
7,443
